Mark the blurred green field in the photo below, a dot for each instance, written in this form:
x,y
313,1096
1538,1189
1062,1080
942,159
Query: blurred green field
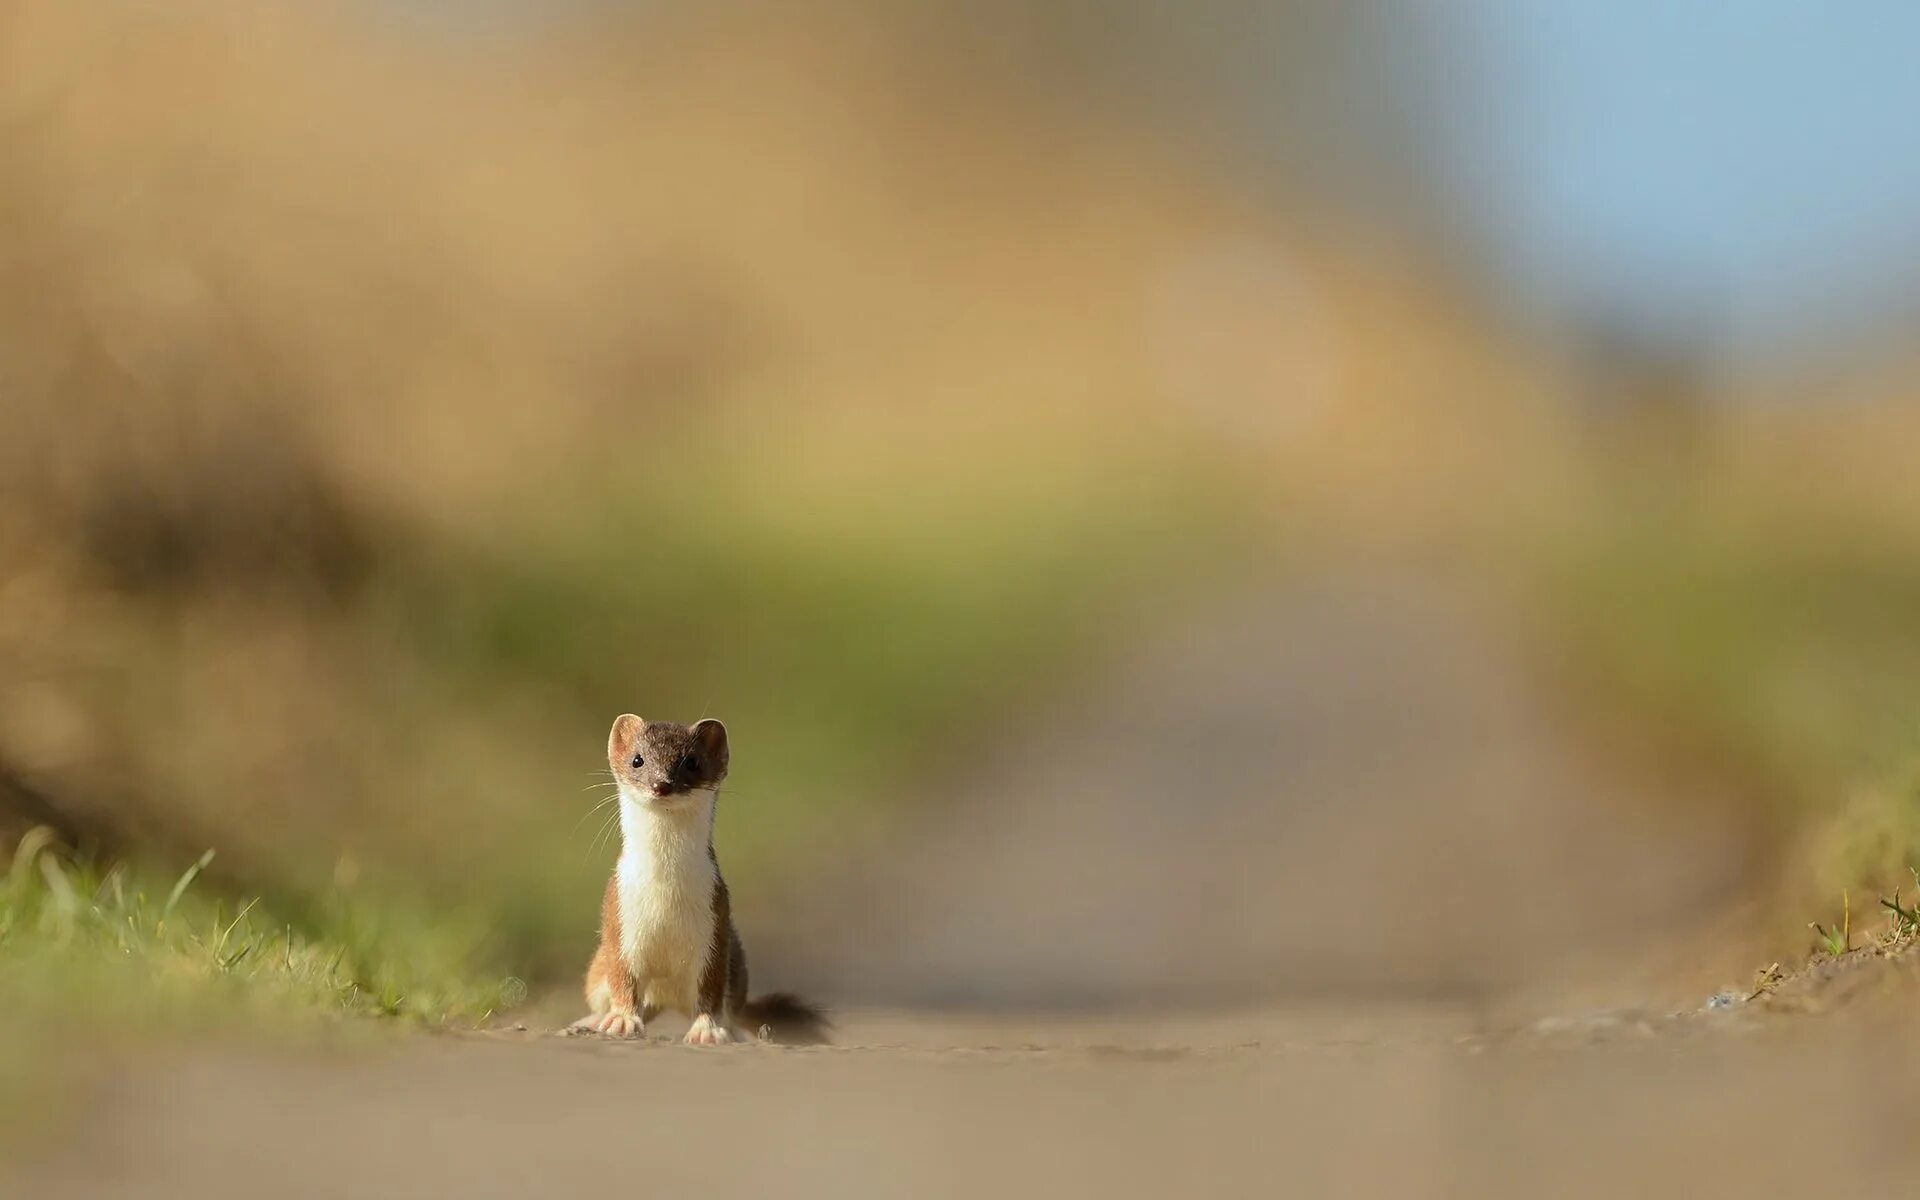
x,y
1759,627
442,828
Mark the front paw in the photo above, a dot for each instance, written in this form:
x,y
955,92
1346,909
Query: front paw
x,y
706,1031
609,1024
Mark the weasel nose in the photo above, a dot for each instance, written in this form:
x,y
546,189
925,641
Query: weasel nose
x,y
662,788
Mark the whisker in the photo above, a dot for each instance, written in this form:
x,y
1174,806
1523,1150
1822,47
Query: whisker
x,y
596,808
612,822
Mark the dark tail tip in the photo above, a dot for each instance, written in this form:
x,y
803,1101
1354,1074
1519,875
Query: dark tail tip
x,y
786,1018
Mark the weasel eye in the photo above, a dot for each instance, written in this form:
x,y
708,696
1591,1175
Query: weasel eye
x,y
689,765
638,762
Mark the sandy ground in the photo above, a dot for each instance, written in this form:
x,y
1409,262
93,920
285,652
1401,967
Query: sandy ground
x,y
1273,908
1356,1103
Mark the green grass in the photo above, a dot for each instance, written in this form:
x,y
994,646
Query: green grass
x,y
1903,919
1900,932
1839,939
78,942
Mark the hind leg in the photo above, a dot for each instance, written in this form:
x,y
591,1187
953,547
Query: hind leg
x,y
736,1006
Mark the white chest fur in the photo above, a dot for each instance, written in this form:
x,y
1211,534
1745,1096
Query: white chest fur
x,y
666,881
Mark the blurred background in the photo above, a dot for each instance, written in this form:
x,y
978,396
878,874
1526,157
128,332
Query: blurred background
x,y
1174,503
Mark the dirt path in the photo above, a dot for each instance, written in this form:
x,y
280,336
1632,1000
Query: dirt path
x,y
1344,785
1366,1103
1242,921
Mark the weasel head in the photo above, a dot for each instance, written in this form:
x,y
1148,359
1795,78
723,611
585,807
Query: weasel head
x,y
663,763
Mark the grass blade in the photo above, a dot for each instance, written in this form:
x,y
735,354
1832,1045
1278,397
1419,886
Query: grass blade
x,y
39,838
233,960
237,918
65,900
183,883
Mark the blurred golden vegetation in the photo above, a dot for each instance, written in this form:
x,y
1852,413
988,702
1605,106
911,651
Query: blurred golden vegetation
x,y
384,411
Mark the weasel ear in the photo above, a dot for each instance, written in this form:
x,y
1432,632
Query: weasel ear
x,y
712,736
626,731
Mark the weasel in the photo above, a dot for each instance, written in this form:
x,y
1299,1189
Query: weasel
x,y
667,939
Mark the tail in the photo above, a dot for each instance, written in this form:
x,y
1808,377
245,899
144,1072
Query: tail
x,y
785,1017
